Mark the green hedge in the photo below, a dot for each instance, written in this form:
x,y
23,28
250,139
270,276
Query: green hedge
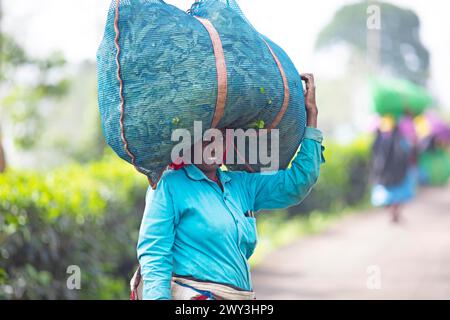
x,y
343,179
79,215
89,216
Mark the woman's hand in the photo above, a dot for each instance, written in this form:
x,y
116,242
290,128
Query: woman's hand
x,y
310,100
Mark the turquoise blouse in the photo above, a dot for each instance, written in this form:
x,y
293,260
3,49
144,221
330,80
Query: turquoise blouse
x,y
193,228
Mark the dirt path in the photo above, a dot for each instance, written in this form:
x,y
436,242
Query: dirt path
x,y
364,256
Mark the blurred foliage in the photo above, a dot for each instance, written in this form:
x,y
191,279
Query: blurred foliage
x,y
434,166
11,56
84,142
77,215
89,215
48,109
30,83
401,50
343,179
22,107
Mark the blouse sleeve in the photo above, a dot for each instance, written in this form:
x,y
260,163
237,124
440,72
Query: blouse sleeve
x,y
288,187
156,239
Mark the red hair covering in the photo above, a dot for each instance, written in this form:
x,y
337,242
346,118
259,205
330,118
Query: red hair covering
x,y
175,166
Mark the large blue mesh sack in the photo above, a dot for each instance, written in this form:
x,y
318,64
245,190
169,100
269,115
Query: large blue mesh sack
x,y
160,69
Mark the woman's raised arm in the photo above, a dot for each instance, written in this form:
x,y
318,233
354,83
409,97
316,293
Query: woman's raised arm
x,y
291,186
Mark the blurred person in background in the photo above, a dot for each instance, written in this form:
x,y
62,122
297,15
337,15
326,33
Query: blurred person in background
x,y
394,161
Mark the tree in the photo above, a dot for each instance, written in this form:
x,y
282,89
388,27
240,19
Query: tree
x,y
2,157
23,101
2,152
401,51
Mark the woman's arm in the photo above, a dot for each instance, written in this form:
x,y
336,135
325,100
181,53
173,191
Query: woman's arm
x,y
289,187
156,238
312,111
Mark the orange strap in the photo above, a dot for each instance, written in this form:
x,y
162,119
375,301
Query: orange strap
x,y
221,67
285,104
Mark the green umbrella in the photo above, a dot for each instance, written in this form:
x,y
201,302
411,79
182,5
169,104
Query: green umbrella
x,y
396,96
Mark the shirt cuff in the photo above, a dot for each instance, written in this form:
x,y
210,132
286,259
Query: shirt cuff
x,y
313,134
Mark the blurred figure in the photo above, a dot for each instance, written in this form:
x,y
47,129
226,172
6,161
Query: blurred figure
x,y
394,159
2,156
433,144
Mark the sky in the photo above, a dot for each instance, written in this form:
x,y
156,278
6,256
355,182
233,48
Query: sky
x,y
76,27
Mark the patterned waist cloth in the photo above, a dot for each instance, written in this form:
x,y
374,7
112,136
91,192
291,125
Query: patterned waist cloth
x,y
189,288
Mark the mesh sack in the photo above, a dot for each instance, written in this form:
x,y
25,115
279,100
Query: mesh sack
x,y
160,69
397,96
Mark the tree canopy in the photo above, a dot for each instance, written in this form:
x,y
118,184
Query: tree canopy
x,y
402,52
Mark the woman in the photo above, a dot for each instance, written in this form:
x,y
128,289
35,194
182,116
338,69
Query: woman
x,y
199,231
394,165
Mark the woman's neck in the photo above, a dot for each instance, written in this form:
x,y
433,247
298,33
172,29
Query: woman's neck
x,y
211,175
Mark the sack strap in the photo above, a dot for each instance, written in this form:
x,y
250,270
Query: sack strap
x,y
221,67
286,98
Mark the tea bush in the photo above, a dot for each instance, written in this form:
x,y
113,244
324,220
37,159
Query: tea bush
x,y
88,216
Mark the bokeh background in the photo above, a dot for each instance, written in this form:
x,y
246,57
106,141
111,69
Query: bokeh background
x,y
65,198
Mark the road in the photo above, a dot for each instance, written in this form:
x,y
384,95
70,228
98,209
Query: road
x,y
364,256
